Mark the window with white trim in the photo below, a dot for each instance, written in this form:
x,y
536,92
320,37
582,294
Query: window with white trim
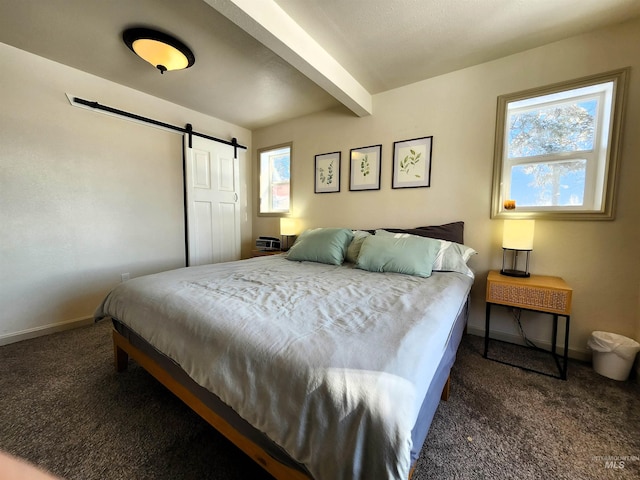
x,y
556,148
275,180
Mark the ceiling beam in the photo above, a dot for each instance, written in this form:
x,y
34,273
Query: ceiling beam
x,y
268,23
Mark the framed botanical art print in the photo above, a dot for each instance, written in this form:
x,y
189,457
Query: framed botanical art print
x,y
365,168
327,177
412,163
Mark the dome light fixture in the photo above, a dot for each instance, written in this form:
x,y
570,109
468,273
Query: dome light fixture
x,y
159,49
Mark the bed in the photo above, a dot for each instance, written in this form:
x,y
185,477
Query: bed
x,y
317,367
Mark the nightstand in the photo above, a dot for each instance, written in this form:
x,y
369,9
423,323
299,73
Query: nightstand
x,y
537,293
264,253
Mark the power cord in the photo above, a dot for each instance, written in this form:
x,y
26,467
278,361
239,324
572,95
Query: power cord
x,y
517,313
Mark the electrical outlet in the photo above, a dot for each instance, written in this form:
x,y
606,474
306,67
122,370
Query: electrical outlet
x,y
124,277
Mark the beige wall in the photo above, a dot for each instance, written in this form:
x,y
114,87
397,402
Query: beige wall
x,y
598,259
84,196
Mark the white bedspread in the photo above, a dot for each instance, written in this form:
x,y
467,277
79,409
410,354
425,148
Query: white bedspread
x,y
332,363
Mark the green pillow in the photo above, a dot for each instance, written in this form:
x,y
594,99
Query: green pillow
x,y
410,255
451,257
322,245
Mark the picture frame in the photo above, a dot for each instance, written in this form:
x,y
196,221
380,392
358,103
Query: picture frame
x,y
365,168
327,172
412,163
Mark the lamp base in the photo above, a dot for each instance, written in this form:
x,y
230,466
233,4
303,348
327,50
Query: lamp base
x,y
515,273
287,242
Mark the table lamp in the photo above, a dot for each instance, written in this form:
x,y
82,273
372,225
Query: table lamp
x,y
517,237
288,232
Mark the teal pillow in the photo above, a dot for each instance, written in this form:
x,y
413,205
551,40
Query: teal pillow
x,y
410,255
451,257
322,245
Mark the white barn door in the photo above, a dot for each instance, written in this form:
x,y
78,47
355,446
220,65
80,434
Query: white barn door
x,y
212,196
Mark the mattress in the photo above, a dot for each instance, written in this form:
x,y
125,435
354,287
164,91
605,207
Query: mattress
x,y
334,365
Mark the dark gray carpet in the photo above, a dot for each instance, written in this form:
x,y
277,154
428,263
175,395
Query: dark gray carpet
x,y
64,408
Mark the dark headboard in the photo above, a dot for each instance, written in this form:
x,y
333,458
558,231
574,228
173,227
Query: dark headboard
x,y
452,232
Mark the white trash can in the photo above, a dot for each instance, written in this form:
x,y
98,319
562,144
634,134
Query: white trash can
x,y
613,354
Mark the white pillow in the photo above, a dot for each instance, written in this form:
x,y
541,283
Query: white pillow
x,y
353,250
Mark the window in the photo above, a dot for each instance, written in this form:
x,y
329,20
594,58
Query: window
x,y
275,181
556,149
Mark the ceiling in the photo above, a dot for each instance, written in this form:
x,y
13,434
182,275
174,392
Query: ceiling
x,y
259,62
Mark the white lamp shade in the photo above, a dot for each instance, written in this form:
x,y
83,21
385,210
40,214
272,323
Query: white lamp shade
x,y
159,53
518,234
288,226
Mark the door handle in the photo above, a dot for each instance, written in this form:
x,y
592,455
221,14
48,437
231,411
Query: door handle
x,y
235,197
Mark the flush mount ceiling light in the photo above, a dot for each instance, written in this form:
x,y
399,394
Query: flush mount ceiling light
x,y
159,49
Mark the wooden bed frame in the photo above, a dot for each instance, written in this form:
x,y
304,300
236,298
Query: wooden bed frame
x,y
124,349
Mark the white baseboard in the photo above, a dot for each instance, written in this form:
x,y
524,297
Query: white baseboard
x,y
44,330
584,355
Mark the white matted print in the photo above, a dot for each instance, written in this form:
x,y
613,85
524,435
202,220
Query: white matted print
x,y
365,168
327,177
412,163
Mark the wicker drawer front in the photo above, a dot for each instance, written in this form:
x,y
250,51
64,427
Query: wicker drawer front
x,y
539,298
